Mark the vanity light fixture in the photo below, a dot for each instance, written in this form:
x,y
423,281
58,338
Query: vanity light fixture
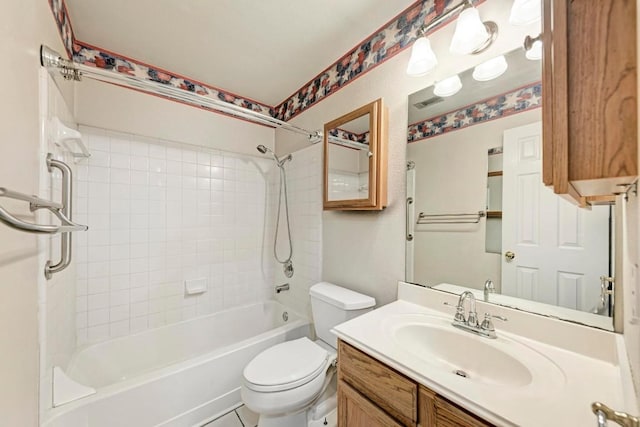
x,y
533,47
525,12
471,36
490,69
422,58
447,87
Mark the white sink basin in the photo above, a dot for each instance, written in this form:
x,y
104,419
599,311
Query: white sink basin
x,y
503,362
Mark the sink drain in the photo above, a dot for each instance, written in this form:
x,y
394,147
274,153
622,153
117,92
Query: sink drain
x,y
460,373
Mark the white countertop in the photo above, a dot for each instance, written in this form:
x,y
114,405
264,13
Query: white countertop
x,y
565,399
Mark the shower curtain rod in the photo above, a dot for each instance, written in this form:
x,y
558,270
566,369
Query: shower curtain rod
x,y
52,60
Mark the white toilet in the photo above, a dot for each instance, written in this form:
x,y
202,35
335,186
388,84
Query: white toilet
x,y
289,384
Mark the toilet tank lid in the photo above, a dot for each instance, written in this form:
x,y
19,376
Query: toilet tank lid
x,y
340,297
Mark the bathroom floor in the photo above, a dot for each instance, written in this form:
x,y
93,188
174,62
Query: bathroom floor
x,y
240,417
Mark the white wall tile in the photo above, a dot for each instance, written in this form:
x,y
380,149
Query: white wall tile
x,y
161,213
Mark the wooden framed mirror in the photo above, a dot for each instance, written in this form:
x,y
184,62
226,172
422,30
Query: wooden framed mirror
x,y
355,160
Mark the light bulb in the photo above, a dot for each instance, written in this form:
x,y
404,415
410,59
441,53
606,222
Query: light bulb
x,y
535,51
525,12
490,69
470,33
422,58
448,87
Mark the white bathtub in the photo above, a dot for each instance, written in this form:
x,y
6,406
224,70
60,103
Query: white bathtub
x,y
178,375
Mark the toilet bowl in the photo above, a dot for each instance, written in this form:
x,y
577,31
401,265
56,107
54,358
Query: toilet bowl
x,y
285,382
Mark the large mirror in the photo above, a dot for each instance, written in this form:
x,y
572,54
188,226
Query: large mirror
x,y
355,159
478,214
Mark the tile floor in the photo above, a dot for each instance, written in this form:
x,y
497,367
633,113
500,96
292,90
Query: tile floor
x,y
241,417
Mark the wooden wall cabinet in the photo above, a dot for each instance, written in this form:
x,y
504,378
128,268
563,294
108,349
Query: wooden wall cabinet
x,y
355,159
371,394
589,97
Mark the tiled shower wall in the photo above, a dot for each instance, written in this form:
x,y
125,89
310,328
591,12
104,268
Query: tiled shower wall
x,y
348,185
304,178
161,213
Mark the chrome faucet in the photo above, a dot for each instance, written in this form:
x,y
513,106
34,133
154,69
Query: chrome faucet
x,y
472,319
489,288
470,322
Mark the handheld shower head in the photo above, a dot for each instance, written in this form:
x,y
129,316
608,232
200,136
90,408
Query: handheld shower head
x,y
264,150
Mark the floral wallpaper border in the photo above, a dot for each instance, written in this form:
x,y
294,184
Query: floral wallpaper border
x,y
384,44
362,138
61,16
86,54
513,102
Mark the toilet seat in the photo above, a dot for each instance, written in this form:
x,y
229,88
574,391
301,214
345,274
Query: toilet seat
x,y
286,366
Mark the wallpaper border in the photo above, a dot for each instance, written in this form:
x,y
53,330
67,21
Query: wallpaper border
x,y
519,100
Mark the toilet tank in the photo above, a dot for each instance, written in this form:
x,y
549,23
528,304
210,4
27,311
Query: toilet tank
x,y
332,305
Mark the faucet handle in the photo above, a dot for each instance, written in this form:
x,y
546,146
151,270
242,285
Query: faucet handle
x,y
459,316
487,323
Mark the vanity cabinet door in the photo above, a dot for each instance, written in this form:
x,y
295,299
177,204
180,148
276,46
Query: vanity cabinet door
x,y
396,394
355,410
589,97
449,415
371,394
426,408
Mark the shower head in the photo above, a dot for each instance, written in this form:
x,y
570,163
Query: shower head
x,y
264,150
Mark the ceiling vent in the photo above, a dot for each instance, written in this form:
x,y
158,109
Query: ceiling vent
x,y
427,102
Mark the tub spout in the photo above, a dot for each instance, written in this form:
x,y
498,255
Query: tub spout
x,y
281,288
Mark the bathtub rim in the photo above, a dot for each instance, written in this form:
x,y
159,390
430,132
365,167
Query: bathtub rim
x,y
79,349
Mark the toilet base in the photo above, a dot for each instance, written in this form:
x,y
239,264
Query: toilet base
x,y
300,420
290,420
329,420
326,409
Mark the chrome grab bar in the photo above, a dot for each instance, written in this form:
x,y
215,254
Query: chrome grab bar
x,y
35,202
64,215
18,224
409,222
604,414
61,210
463,218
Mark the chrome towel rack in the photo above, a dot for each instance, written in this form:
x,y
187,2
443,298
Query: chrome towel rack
x,y
461,218
61,210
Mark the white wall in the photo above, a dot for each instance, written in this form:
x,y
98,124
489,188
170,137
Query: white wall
x,y
161,213
108,106
24,26
365,250
451,177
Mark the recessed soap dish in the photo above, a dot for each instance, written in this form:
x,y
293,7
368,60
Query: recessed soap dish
x,y
68,138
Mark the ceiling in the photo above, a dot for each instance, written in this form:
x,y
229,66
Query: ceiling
x,y
264,50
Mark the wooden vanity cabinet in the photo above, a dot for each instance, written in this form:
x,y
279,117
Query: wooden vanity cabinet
x,y
371,394
589,97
